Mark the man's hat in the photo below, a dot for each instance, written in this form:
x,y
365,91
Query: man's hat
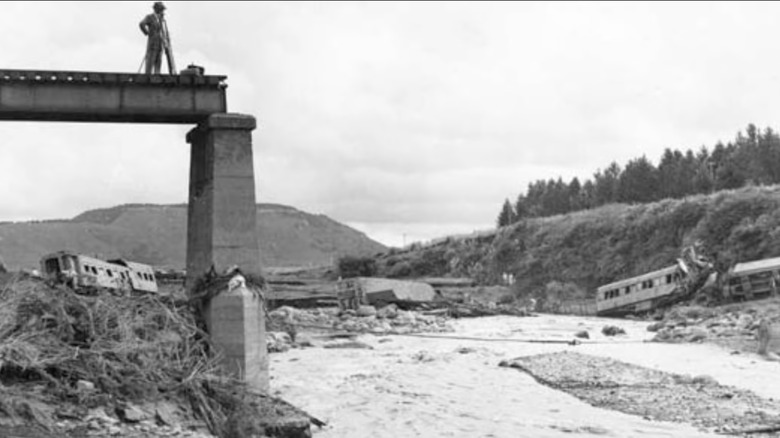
x,y
158,5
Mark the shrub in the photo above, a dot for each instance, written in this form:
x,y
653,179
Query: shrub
x,y
350,267
400,270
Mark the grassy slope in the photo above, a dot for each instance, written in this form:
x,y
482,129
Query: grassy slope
x,y
602,245
156,234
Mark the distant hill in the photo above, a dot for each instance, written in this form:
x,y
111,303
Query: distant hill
x,y
156,234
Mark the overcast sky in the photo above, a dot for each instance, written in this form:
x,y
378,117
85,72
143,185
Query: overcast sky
x,y
408,121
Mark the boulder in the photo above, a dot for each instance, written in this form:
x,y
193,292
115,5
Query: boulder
x,y
612,330
654,327
166,413
696,334
284,313
388,312
405,318
364,311
745,322
133,414
278,342
583,334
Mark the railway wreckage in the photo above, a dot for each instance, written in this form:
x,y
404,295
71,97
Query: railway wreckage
x,y
658,289
81,272
693,277
448,298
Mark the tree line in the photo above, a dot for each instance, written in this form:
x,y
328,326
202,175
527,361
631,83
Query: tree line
x,y
752,158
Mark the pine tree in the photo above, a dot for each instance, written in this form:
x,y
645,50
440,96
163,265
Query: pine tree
x,y
507,215
639,182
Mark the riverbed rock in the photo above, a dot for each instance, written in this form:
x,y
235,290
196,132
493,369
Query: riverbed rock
x,y
612,330
278,342
696,334
388,312
365,311
133,414
582,334
656,326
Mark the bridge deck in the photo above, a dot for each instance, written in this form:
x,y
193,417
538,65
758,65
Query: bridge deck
x,y
109,97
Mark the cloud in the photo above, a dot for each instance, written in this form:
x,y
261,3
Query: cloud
x,y
397,115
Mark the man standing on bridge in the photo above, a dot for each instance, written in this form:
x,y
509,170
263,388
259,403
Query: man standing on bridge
x,y
156,29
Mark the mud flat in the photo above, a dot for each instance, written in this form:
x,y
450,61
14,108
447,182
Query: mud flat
x,y
451,385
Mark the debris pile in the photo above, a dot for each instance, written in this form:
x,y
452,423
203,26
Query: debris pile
x,y
119,358
285,323
696,324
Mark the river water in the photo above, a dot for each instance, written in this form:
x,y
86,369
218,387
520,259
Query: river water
x,y
423,387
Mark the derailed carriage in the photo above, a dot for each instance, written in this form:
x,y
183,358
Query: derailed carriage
x,y
743,282
640,294
753,280
79,272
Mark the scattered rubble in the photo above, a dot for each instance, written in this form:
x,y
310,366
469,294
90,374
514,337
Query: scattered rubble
x,y
367,319
733,326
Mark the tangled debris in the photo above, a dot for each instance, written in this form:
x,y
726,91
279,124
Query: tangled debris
x,y
101,351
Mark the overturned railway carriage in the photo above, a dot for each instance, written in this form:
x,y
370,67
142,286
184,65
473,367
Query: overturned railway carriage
x,y
637,295
753,280
80,271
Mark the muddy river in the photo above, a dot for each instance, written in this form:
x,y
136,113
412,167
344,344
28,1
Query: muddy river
x,y
452,386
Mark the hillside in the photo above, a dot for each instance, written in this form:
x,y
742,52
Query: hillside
x,y
578,252
156,234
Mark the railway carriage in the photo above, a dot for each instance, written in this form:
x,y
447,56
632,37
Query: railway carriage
x,y
80,271
753,280
637,294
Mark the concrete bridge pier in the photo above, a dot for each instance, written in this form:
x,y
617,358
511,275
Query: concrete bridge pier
x,y
222,232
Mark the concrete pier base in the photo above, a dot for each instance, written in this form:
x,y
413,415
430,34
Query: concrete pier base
x,y
236,325
222,233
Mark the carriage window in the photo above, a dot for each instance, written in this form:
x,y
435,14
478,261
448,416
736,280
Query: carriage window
x,y
52,265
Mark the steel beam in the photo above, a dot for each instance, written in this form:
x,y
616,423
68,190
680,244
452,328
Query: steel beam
x,y
109,97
